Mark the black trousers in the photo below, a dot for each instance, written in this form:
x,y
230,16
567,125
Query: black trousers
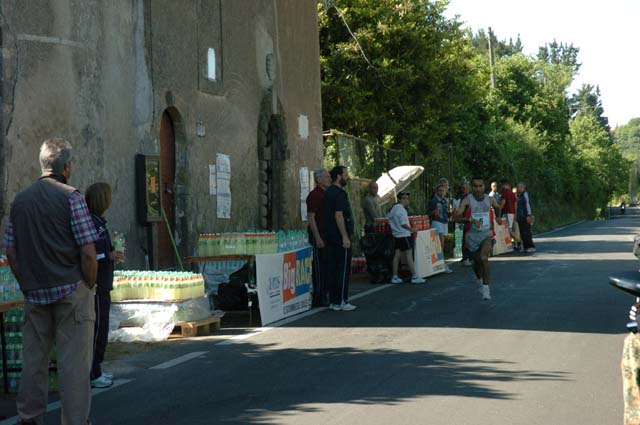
x,y
319,270
525,234
101,335
339,273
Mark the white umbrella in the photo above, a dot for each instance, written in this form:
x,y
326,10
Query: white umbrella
x,y
396,180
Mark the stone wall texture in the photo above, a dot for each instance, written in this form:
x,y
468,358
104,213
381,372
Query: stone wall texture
x,y
102,73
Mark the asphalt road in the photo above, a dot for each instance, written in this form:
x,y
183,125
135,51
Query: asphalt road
x,y
544,351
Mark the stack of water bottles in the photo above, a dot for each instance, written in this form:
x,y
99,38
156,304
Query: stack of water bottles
x,y
13,333
292,240
457,250
252,243
156,285
13,319
9,288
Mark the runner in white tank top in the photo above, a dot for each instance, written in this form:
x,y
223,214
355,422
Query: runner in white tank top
x,y
479,217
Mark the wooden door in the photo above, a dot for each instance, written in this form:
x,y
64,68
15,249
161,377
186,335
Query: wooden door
x,y
165,252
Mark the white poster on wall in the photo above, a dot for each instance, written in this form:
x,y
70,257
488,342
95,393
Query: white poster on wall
x,y
223,184
304,192
212,180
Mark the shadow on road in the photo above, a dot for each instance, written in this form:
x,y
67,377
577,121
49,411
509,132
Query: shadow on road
x,y
278,381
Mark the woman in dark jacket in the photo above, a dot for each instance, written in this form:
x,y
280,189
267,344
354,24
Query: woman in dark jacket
x,y
98,197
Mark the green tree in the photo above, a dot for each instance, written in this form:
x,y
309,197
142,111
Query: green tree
x,y
406,77
627,136
587,101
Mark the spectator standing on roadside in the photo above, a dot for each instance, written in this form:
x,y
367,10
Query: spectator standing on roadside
x,y
315,228
50,246
98,197
403,241
439,217
525,218
371,207
508,203
494,192
463,192
338,228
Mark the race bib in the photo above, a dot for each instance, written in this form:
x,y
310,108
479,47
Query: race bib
x,y
484,219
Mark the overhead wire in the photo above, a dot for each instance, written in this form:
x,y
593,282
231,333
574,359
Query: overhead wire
x,y
330,3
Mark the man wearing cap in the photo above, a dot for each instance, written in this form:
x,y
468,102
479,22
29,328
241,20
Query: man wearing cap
x,y
403,241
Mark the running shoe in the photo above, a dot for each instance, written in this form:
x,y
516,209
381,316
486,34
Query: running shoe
x,y
467,263
417,279
486,293
108,375
530,250
101,382
447,269
396,280
335,307
347,307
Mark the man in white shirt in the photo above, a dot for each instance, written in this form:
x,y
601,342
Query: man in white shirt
x,y
401,231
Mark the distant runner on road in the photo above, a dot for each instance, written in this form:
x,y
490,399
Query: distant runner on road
x,y
480,211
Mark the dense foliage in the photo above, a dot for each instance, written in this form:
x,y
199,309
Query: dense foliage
x,y
401,74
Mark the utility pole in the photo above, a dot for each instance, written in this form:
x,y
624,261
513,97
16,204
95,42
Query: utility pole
x,y
492,60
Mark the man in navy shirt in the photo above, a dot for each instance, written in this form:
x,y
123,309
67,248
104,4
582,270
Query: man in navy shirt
x,y
338,228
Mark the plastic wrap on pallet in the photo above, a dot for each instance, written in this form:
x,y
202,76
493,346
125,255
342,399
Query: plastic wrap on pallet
x,y
193,310
141,322
217,272
147,322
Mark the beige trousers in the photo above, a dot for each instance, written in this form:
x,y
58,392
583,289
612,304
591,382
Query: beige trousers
x,y
631,379
69,323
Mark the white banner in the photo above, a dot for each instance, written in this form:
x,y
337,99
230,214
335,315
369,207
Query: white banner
x,y
428,257
284,284
503,239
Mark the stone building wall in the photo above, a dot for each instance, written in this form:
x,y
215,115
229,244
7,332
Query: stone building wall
x,y
101,74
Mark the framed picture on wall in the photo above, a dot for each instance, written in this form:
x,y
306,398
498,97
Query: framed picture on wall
x,y
148,188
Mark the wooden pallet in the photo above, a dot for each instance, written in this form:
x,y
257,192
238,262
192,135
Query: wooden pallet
x,y
199,328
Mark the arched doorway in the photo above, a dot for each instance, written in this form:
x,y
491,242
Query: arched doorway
x,y
273,154
164,247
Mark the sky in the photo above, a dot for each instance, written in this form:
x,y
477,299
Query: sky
x,y
607,33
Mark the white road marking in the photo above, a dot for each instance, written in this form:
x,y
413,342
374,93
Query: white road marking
x,y
178,360
57,404
296,317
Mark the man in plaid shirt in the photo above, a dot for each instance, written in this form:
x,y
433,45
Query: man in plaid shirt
x,y
50,246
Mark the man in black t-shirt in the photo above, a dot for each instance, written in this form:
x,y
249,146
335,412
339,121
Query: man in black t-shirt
x,y
338,227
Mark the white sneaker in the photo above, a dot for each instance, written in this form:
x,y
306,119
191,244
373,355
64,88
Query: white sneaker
x,y
486,293
417,279
467,263
447,269
396,280
530,250
108,375
101,382
347,307
335,307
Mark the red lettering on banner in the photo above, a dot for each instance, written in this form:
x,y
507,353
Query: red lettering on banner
x,y
434,251
289,276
